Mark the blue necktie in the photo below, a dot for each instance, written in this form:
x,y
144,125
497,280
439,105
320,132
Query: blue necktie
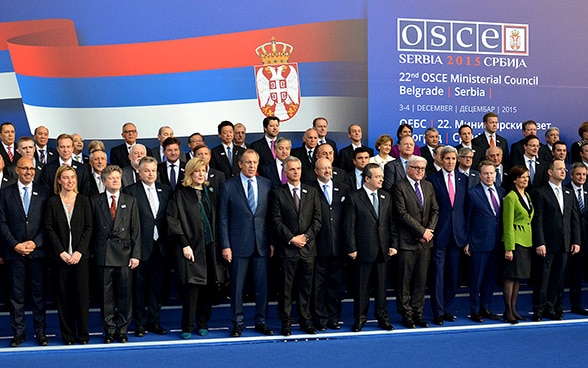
x,y
418,193
376,204
326,191
26,201
230,156
251,196
172,176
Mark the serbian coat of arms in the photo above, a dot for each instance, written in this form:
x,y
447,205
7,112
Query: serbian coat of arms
x,y
276,81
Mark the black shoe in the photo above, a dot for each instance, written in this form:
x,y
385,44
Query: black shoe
x,y
309,329
385,325
487,313
408,323
518,316
580,311
357,326
139,331
421,322
264,329
476,317
122,338
322,328
17,340
448,317
42,340
156,329
237,331
334,326
553,316
286,331
438,321
537,317
108,339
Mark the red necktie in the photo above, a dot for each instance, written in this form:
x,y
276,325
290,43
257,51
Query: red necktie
x,y
10,155
113,207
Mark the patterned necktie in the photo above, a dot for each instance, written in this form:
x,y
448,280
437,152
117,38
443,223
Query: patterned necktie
x,y
494,201
450,189
376,204
26,200
113,207
498,177
154,204
326,191
10,155
251,196
531,170
272,148
418,193
172,176
296,199
581,200
42,156
310,156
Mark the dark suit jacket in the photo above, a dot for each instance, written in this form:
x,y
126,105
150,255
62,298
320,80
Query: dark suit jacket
x,y
59,231
339,176
119,155
16,226
550,227
116,241
288,222
517,151
215,179
50,170
262,148
473,178
541,174
4,155
302,154
220,161
329,240
270,172
50,154
364,231
333,144
345,159
8,178
393,172
426,153
452,221
485,229
411,220
479,154
583,216
129,176
482,142
162,176
156,154
241,230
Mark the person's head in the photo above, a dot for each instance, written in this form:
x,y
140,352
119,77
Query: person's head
x,y
7,133
25,170
282,146
26,147
465,134
325,150
415,167
520,177
41,136
384,143
248,163
557,171
129,133
271,126
64,146
137,152
584,151
583,131
465,158
559,150
164,133
578,174
148,170
552,135
239,132
323,169
203,152
406,147
531,146
354,133
490,122
292,169
487,172
98,161
494,155
361,157
111,178
448,156
310,138
196,139
225,132
171,149
96,146
432,137
437,154
403,131
373,177
529,128
78,143
66,179
320,124
195,175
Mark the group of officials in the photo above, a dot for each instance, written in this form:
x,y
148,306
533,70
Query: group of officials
x,y
241,213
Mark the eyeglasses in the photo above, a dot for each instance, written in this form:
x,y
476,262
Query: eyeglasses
x,y
130,131
26,168
467,157
418,168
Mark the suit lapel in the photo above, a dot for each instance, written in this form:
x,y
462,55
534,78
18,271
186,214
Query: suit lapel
x,y
367,201
106,209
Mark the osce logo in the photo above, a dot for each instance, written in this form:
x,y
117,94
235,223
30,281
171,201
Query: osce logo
x,y
432,35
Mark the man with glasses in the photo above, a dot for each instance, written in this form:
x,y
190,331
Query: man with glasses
x,y
465,158
119,155
530,159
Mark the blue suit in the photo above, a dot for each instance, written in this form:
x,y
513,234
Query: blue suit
x,y
247,234
450,237
485,234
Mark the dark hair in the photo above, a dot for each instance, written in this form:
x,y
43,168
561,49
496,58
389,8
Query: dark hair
x,y
401,128
530,137
464,126
267,120
367,170
361,149
223,124
170,140
517,171
489,115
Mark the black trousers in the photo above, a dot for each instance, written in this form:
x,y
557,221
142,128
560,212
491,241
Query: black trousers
x,y
72,297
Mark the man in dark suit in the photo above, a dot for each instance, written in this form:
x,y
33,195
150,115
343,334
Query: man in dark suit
x,y
556,234
78,148
264,145
239,133
7,177
117,251
325,150
195,140
328,276
171,172
395,171
307,152
465,157
489,138
7,146
361,157
22,207
537,168
483,211
496,156
130,174
296,216
98,162
576,264
163,133
65,150
26,148
517,149
416,214
43,153
466,135
119,155
152,199
427,151
368,226
245,239
274,170
214,177
225,156
450,234
345,160
321,125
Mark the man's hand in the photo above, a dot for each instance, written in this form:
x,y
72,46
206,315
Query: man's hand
x,y
227,254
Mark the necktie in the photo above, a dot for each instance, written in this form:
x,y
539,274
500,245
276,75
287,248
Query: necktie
x,y
42,156
322,141
229,156
154,204
376,204
172,176
531,170
99,183
492,143
498,178
283,175
418,193
494,201
113,207
450,189
26,200
296,199
10,155
273,149
326,191
251,196
581,200
559,198
310,156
